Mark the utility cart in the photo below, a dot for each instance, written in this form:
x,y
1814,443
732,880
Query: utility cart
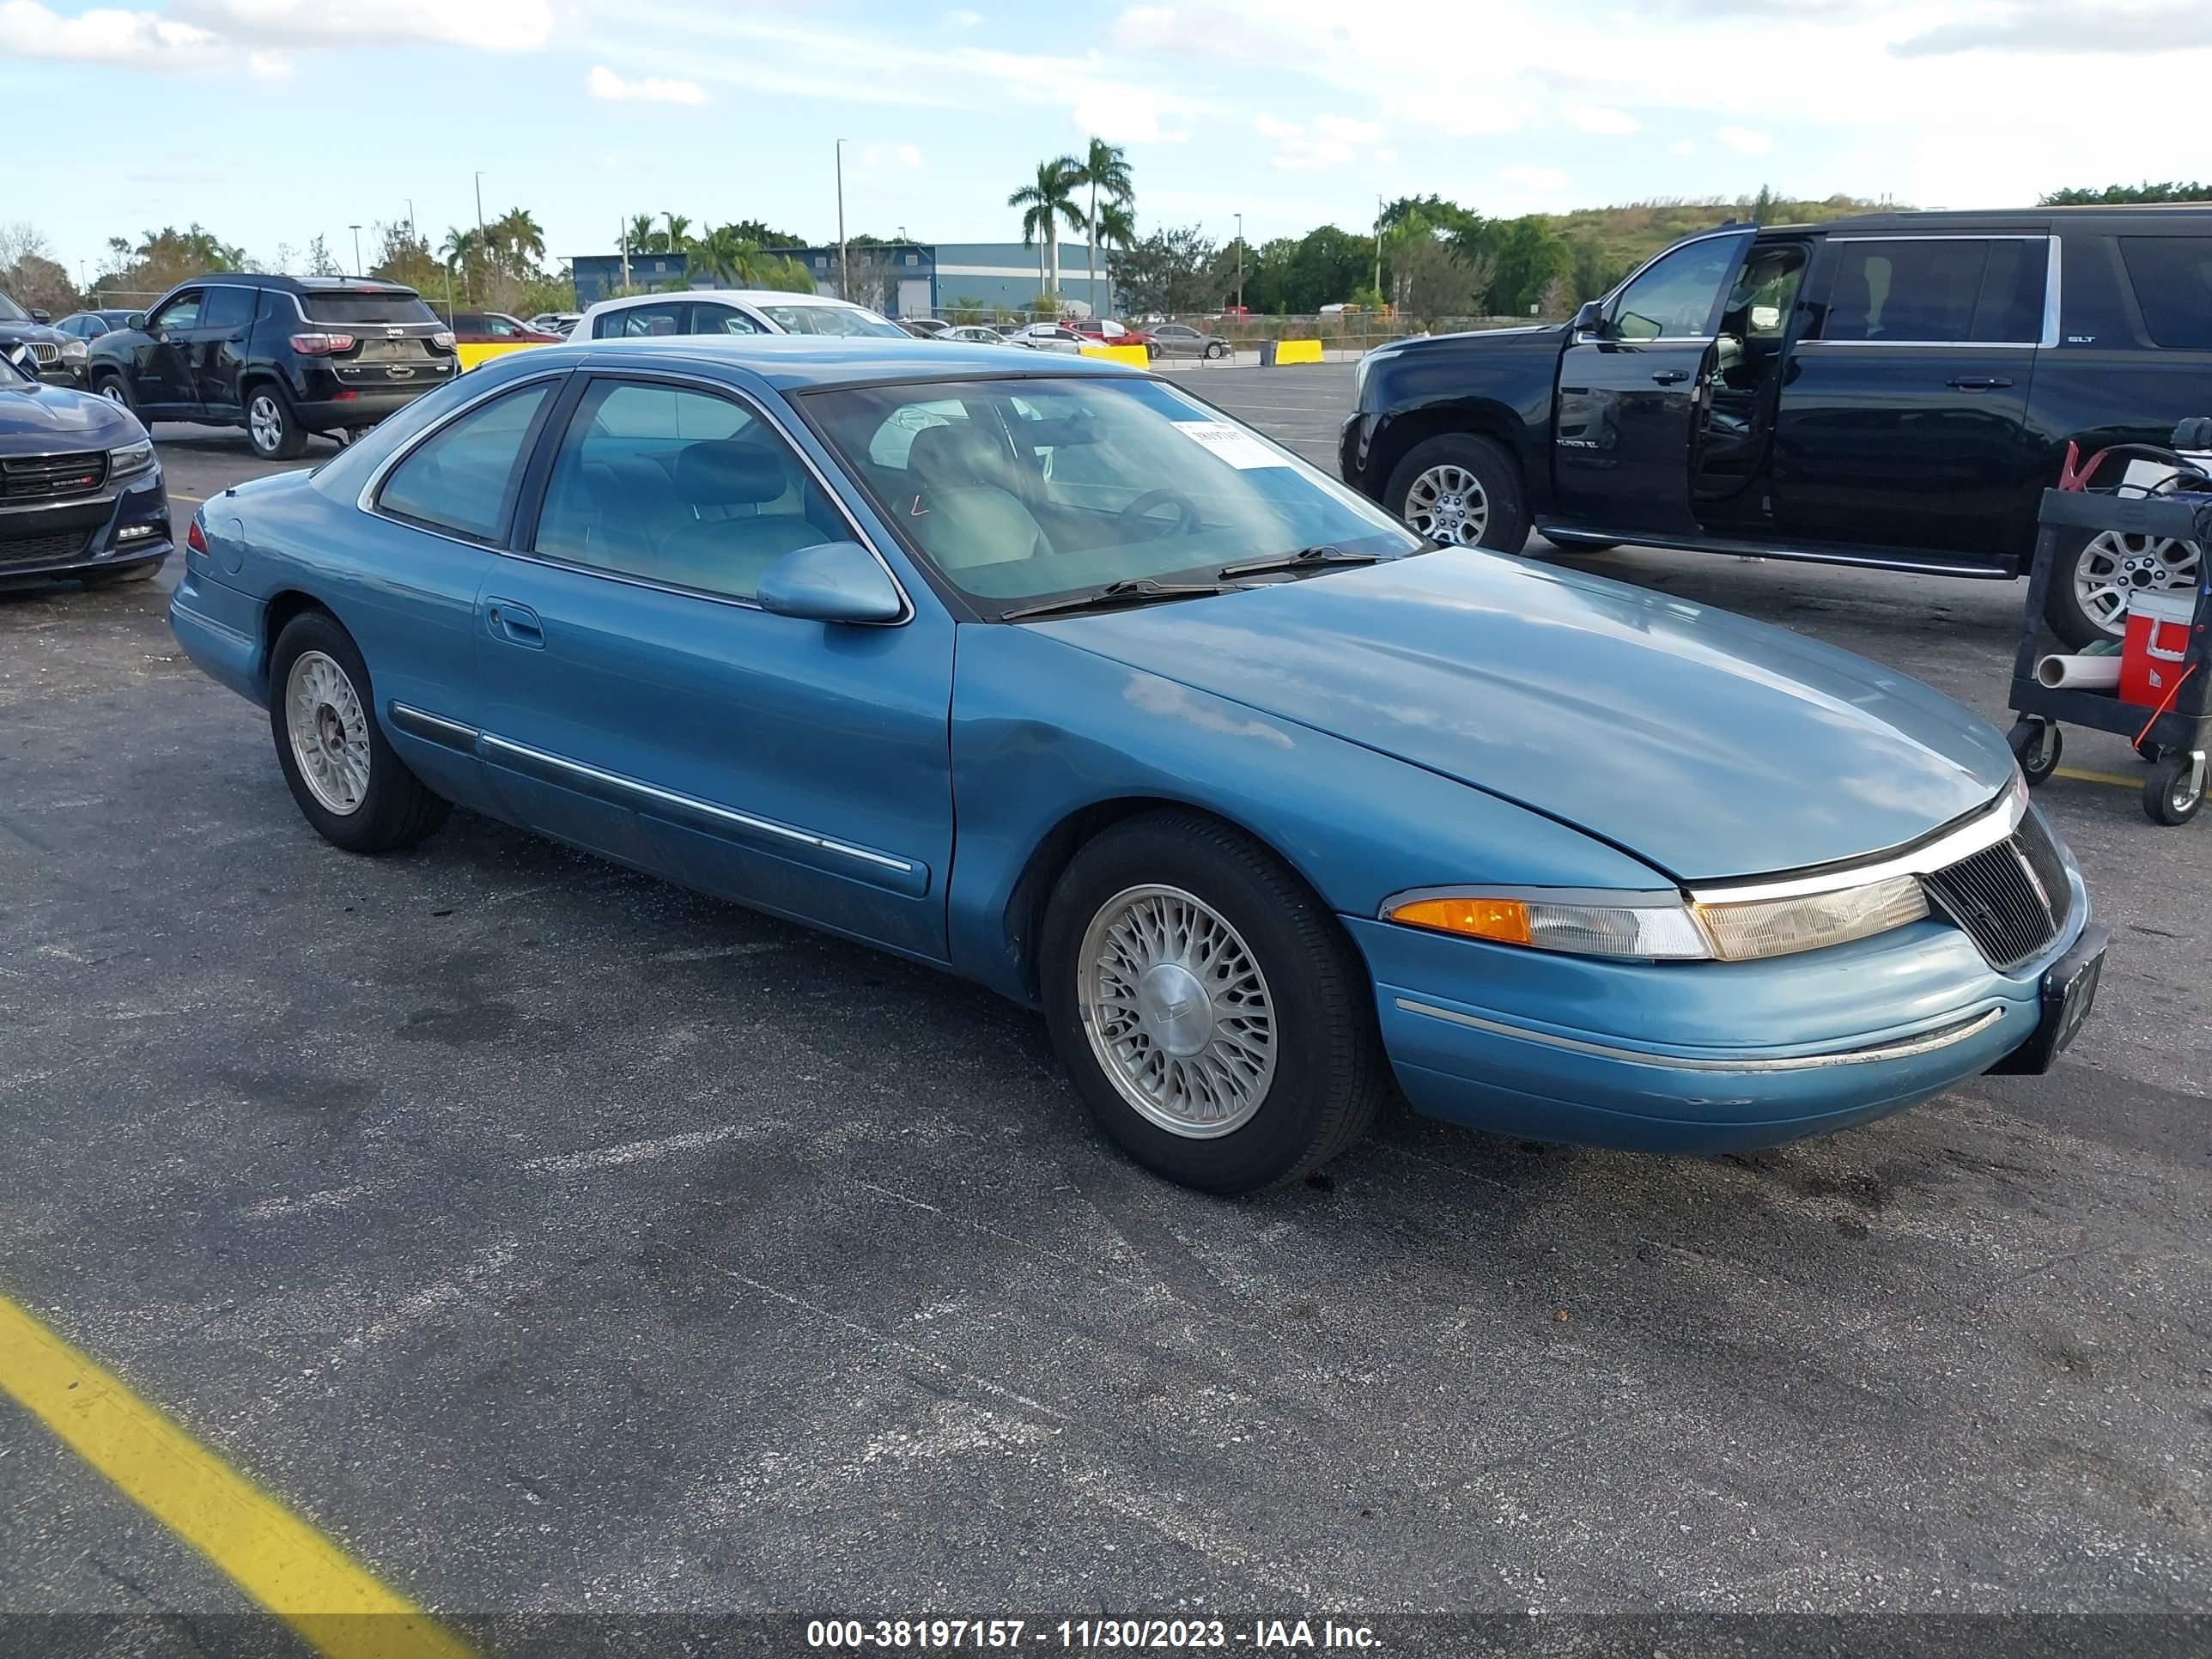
x,y
2169,727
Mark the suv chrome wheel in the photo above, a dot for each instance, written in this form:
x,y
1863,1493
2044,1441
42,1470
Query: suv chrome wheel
x,y
265,423
2115,564
329,730
112,389
1177,1012
1448,503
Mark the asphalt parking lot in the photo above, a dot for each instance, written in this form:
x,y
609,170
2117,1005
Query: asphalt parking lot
x,y
557,1240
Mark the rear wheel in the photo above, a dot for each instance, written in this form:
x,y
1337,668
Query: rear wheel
x,y
2036,746
2175,788
1460,491
272,427
349,783
1209,1012
2095,574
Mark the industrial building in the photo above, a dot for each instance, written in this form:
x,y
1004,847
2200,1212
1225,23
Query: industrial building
x,y
899,279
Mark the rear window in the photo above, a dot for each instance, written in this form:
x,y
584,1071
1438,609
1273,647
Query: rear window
x,y
341,306
2173,280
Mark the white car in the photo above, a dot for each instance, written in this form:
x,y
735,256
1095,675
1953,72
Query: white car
x,y
556,322
1049,336
732,310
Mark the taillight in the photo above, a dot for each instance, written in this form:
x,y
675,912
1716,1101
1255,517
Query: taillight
x,y
195,537
321,345
443,340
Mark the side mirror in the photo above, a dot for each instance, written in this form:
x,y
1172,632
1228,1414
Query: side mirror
x,y
136,320
832,582
39,316
1590,319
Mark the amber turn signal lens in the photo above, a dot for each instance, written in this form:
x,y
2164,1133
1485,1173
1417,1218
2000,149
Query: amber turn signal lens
x,y
1505,921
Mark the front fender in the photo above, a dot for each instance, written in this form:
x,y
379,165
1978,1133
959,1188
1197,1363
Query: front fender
x,y
1357,825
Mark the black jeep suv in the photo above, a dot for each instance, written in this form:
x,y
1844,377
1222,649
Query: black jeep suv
x,y
1895,390
282,357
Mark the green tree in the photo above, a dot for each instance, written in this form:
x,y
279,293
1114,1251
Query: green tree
x,y
643,238
1530,254
29,273
1105,168
404,256
1047,203
1170,273
679,233
2118,194
516,243
1323,268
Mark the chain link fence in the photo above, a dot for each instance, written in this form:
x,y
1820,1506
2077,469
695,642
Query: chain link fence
x,y
1224,340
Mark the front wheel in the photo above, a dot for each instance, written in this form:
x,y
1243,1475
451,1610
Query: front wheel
x,y
343,772
272,427
2095,574
2175,788
116,389
1460,491
1209,1012
1215,349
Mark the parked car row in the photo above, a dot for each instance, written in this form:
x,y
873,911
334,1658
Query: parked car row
x,y
81,490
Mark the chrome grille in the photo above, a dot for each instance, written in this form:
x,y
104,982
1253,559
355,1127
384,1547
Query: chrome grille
x,y
2010,899
49,478
45,351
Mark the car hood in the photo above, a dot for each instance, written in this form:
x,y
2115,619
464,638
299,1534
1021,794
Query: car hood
x,y
1708,745
36,418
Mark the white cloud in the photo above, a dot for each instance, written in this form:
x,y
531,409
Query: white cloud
x,y
503,26
1538,179
1596,118
1348,131
1273,126
1744,141
1332,140
603,82
963,19
881,158
136,39
1683,146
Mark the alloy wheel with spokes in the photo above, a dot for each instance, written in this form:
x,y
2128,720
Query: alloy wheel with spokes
x,y
1448,504
1178,1011
265,423
112,389
2116,565
329,731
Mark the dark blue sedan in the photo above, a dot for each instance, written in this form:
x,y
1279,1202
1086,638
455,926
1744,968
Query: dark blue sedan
x,y
81,491
1050,674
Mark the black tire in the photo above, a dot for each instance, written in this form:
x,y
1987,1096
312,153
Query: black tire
x,y
2036,746
112,387
395,810
272,427
1575,544
1217,349
1507,526
1329,1075
2171,794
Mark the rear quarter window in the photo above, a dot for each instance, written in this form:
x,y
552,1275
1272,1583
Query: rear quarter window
x,y
340,306
2172,276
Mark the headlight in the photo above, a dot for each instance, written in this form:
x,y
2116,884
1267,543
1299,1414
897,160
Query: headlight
x,y
127,458
73,351
1664,926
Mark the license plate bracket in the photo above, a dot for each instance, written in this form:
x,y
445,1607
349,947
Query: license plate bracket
x,y
2068,994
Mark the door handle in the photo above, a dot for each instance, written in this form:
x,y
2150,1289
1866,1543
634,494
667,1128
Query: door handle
x,y
1978,382
518,624
1671,376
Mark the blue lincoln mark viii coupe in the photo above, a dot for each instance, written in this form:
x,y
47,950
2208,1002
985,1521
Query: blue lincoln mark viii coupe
x,y
1052,675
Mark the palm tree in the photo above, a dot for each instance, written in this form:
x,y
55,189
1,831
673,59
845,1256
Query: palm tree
x,y
729,257
1104,168
1050,202
517,236
643,237
678,232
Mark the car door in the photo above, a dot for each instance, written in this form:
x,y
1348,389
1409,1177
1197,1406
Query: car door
x,y
442,506
221,336
162,382
1632,393
638,702
1903,416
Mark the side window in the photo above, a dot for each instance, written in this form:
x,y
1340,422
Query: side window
x,y
228,307
665,317
721,320
679,486
1760,301
1676,298
499,328
183,311
1943,290
2172,276
462,480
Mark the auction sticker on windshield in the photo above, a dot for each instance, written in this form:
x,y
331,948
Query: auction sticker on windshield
x,y
1232,444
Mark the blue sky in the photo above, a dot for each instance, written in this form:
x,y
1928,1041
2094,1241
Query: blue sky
x,y
271,121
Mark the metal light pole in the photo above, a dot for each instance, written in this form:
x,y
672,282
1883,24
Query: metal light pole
x,y
1378,250
1240,263
480,232
411,231
844,275
356,229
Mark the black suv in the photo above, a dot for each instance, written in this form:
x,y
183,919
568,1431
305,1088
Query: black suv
x,y
1895,390
282,357
52,355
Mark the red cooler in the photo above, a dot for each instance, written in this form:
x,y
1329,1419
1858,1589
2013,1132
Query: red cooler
x,y
2152,660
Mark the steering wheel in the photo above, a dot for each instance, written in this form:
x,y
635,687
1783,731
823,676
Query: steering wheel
x,y
1185,523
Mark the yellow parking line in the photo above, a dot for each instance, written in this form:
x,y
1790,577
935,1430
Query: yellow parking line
x,y
270,1553
179,496
2112,778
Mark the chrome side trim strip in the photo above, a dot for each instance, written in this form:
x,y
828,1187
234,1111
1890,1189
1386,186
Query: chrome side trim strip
x,y
1996,823
1927,1042
433,728
494,747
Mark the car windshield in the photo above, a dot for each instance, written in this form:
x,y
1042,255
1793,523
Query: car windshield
x,y
1022,490
12,312
354,306
832,319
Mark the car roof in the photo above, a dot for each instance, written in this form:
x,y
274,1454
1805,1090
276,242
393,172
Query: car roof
x,y
803,362
2162,214
758,296
297,284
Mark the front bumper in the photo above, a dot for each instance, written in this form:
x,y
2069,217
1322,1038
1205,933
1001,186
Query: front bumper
x,y
116,529
1704,1057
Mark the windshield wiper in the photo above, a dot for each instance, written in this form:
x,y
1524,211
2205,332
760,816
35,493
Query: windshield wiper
x,y
1306,558
1141,590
